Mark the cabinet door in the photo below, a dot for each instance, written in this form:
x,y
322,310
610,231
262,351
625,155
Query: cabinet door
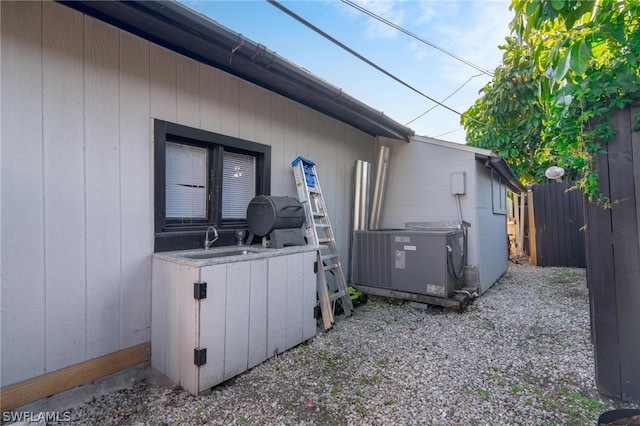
x,y
295,299
212,325
174,323
291,301
309,288
258,313
237,319
277,306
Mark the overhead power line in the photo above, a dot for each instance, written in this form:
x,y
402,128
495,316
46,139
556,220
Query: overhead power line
x,y
359,56
453,93
446,133
417,37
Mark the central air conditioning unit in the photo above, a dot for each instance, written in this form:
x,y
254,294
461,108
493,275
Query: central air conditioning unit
x,y
424,262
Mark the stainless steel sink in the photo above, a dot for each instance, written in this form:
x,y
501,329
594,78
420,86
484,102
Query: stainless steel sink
x,y
217,254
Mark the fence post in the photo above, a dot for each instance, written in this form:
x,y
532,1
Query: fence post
x,y
613,265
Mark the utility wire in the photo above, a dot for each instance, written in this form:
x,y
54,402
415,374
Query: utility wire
x,y
359,56
417,37
446,133
435,106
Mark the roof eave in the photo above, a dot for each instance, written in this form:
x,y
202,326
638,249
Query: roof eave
x,y
502,169
180,29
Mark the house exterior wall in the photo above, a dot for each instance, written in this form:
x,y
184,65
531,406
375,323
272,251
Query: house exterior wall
x,y
419,190
491,230
78,99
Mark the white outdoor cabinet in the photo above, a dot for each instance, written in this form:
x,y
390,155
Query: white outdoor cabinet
x,y
211,323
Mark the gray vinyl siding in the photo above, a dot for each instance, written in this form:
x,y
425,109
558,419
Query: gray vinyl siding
x,y
78,102
491,232
419,190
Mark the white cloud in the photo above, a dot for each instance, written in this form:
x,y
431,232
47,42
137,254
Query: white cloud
x,y
488,30
392,11
481,27
469,29
424,15
420,51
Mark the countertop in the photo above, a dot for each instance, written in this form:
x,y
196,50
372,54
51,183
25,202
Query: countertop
x,y
255,252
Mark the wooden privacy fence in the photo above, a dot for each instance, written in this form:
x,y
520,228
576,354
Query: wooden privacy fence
x,y
613,264
556,221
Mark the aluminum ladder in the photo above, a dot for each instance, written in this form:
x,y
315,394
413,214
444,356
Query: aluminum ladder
x,y
319,232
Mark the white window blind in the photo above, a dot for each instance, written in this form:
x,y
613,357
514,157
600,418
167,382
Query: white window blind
x,y
186,181
238,184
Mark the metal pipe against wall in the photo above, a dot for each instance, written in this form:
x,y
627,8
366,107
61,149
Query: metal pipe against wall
x,y
362,195
362,182
379,187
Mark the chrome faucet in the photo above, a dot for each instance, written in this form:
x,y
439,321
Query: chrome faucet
x,y
240,237
207,241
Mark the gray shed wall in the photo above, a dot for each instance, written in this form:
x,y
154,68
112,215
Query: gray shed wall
x,y
419,190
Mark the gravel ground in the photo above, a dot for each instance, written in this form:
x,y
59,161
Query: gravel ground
x,y
520,354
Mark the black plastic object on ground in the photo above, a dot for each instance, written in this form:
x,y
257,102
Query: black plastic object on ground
x,y
621,417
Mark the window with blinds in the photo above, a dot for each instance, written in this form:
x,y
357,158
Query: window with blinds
x,y
186,181
204,179
238,184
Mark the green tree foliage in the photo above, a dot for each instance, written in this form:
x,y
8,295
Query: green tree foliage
x,y
508,117
566,66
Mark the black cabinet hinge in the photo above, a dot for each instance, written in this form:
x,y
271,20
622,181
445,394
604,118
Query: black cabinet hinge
x,y
200,290
199,356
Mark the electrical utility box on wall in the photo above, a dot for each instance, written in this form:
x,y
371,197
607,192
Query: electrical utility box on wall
x,y
419,262
458,186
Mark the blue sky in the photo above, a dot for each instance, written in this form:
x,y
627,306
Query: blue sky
x,y
471,29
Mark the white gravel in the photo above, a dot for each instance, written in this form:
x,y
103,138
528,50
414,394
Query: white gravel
x,y
520,354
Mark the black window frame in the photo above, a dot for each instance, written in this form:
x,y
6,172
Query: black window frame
x,y
176,234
